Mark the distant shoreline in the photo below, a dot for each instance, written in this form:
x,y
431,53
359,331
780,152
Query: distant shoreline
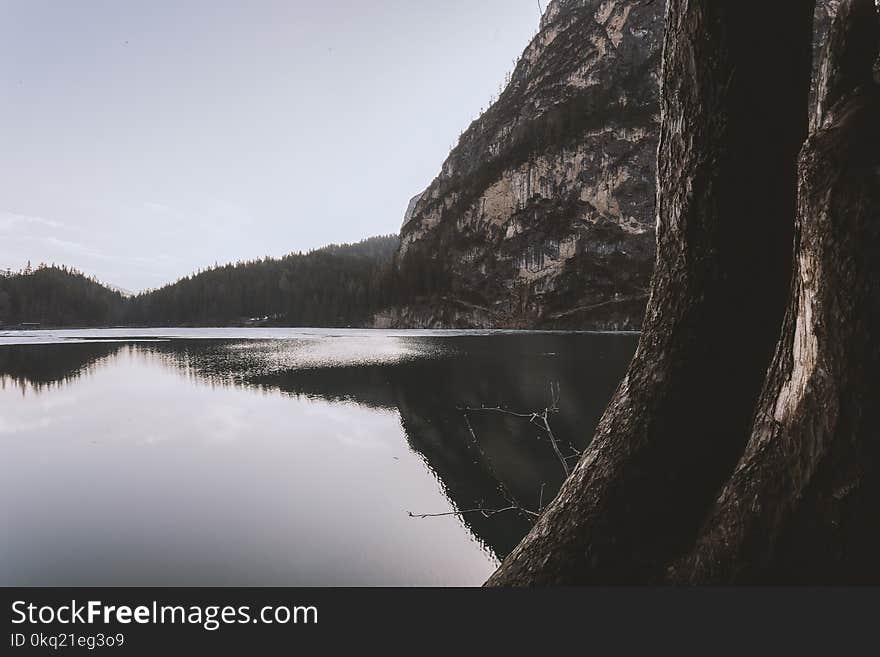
x,y
317,329
125,327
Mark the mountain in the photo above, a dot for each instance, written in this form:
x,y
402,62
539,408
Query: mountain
x,y
57,296
334,286
337,285
542,215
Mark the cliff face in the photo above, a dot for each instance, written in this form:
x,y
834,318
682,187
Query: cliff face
x,y
543,214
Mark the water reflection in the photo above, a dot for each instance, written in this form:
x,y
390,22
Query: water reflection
x,y
50,365
424,380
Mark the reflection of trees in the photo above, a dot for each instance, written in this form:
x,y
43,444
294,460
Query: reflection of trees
x,y
45,365
485,463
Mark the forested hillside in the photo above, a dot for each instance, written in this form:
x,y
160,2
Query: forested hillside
x,y
57,296
338,285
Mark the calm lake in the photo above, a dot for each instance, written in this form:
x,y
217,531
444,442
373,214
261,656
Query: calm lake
x,y
285,456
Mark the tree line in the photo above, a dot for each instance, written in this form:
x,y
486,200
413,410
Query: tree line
x,y
58,296
334,286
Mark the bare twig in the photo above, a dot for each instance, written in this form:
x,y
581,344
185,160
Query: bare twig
x,y
539,419
506,493
486,513
497,409
553,443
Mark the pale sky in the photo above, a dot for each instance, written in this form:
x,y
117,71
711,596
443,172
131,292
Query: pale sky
x,y
141,140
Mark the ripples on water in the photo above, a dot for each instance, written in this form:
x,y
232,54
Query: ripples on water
x,y
274,456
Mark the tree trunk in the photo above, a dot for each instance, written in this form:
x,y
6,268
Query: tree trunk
x,y
802,506
736,79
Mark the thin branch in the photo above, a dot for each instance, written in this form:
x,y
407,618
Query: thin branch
x,y
554,444
486,513
496,409
506,493
539,419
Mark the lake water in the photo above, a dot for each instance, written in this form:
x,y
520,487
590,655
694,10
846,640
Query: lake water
x,y
282,456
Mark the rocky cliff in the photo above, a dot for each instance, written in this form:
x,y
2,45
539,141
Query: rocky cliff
x,y
543,214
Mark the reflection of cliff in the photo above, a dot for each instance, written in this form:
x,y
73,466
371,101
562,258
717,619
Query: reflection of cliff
x,y
505,457
510,457
48,364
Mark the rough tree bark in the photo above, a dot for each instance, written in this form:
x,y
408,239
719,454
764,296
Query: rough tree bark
x,y
736,79
804,502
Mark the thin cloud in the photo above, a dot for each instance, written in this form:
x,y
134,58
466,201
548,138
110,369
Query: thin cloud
x,y
12,220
